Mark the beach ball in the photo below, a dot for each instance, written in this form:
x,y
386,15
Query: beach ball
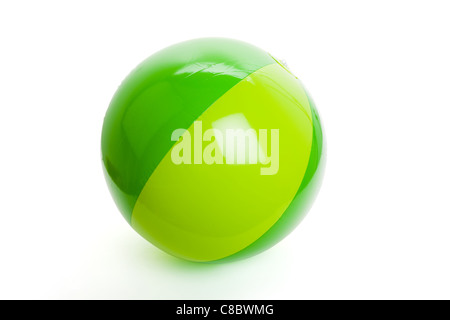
x,y
212,150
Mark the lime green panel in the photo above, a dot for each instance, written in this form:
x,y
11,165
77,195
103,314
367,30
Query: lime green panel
x,y
168,90
302,201
206,212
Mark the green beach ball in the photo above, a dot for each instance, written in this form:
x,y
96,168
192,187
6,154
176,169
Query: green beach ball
x,y
212,150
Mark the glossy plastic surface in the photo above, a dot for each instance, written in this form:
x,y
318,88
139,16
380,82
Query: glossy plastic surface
x,y
207,211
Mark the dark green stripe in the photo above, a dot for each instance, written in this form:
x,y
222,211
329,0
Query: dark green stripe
x,y
169,90
302,201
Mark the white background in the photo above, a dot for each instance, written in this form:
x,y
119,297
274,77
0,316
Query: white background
x,y
379,72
